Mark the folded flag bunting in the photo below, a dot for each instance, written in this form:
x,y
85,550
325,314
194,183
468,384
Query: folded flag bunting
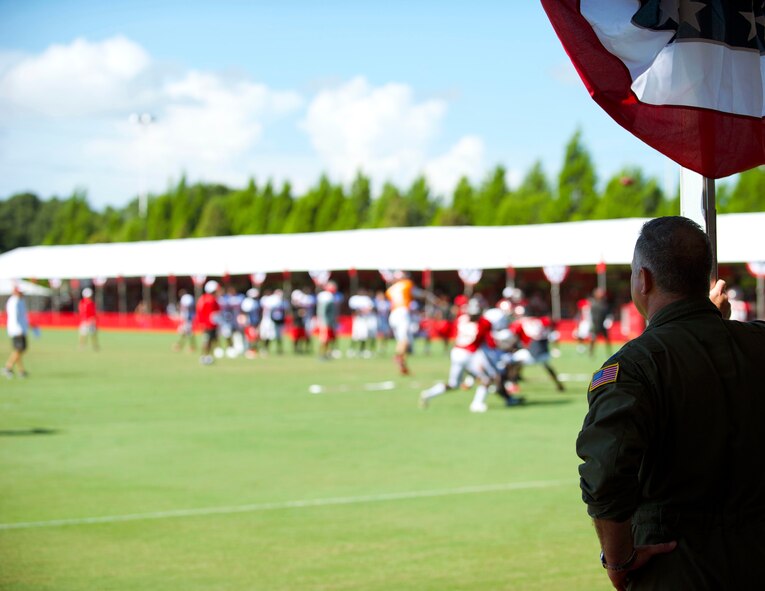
x,y
686,77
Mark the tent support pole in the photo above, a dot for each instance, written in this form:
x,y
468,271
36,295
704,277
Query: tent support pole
x,y
710,220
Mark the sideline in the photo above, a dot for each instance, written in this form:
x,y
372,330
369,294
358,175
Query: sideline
x,y
301,504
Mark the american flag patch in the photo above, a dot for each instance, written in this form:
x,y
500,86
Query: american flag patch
x,y
605,375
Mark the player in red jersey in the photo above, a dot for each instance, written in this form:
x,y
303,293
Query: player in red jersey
x,y
88,327
535,334
469,356
208,312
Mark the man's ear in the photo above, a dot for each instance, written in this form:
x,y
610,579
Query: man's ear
x,y
645,281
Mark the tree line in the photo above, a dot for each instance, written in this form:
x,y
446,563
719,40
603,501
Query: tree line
x,y
197,210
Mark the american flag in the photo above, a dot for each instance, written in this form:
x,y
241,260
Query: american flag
x,y
605,375
685,76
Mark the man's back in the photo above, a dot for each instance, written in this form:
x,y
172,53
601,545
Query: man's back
x,y
689,403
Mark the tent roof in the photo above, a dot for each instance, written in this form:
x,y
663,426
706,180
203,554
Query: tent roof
x,y
435,248
27,288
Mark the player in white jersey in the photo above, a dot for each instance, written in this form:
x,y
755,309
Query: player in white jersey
x,y
536,334
186,313
364,324
469,355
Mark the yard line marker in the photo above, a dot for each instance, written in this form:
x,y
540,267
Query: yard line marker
x,y
575,377
301,504
369,387
380,386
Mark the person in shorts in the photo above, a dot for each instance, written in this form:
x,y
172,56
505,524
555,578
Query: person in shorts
x,y
88,327
18,328
208,317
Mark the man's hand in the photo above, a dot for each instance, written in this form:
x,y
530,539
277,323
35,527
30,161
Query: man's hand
x,y
644,554
720,298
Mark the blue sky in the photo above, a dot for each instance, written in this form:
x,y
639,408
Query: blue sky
x,y
288,90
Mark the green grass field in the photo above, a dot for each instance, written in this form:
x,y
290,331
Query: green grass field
x,y
235,477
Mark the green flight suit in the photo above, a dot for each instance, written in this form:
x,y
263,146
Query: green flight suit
x,y
675,441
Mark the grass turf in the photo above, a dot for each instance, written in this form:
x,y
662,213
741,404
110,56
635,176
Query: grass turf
x,y
137,429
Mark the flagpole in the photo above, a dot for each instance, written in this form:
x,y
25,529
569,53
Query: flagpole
x,y
710,219
697,202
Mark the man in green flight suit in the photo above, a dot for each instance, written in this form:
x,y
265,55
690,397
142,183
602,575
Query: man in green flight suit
x,y
674,440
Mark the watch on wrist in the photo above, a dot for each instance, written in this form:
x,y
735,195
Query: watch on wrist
x,y
618,567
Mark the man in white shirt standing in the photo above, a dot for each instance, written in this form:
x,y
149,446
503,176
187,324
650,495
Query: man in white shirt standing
x,y
18,327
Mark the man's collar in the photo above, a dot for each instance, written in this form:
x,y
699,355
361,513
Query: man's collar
x,y
682,308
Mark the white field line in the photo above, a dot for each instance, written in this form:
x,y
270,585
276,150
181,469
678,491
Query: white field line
x,y
370,387
302,504
575,377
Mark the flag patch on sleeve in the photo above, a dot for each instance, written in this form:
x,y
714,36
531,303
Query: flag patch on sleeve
x,y
605,375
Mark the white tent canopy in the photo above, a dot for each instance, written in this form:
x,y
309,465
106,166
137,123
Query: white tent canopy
x,y
27,288
434,248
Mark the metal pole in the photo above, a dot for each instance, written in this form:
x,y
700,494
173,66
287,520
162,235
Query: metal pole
x,y
510,277
602,280
147,298
122,292
710,220
555,299
760,297
100,297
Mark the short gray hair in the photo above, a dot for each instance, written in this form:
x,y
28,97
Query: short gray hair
x,y
678,253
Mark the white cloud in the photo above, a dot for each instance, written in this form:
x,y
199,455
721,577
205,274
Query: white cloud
x,y
386,133
205,125
82,78
75,99
565,74
465,158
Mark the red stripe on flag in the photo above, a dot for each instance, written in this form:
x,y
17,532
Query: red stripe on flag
x,y
712,143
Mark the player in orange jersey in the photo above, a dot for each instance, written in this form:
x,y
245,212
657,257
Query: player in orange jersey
x,y
401,293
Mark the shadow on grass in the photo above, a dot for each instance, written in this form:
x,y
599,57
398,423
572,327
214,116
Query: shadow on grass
x,y
545,402
24,432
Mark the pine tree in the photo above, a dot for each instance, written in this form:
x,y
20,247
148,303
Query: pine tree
x,y
74,222
527,205
420,208
280,210
577,197
748,194
214,220
630,194
355,209
490,197
388,210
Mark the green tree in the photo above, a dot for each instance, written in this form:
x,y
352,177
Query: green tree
x,y
261,210
187,207
577,197
214,219
17,217
302,218
74,222
158,216
355,209
240,205
528,204
630,194
388,210
491,195
747,195
110,226
420,207
328,209
460,211
280,210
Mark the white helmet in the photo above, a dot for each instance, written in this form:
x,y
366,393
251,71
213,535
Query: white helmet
x,y
474,307
87,293
211,286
